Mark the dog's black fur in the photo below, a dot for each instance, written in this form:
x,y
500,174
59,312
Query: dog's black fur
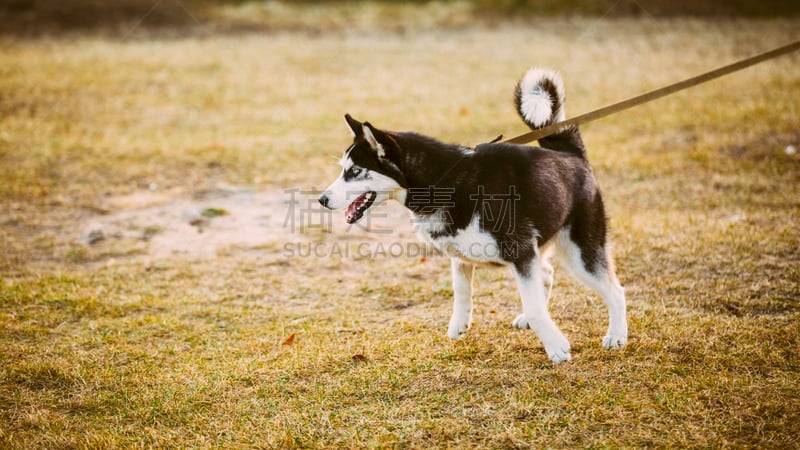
x,y
555,185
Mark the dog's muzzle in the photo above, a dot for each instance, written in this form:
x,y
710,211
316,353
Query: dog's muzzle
x,y
323,200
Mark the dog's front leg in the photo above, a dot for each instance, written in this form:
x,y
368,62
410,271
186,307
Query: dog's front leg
x,y
462,298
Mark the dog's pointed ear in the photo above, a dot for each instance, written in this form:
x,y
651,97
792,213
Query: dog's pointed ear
x,y
372,136
387,150
355,126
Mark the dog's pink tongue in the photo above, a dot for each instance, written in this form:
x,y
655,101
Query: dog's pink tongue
x,y
350,212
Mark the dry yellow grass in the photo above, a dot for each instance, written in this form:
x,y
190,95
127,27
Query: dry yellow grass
x,y
105,346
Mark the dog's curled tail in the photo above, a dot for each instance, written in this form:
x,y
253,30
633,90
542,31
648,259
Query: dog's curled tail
x,y
539,98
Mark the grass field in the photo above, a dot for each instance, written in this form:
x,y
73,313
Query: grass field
x,y
146,342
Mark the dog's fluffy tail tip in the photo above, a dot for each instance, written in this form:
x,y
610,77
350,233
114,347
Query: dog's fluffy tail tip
x,y
539,97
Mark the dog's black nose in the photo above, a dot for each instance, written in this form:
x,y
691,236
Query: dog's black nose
x,y
323,200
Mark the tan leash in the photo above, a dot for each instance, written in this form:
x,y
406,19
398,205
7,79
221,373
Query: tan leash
x,y
655,94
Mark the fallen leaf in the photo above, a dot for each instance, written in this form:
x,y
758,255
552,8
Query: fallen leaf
x,y
289,340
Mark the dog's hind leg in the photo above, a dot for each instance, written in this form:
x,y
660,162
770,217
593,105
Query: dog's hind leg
x,y
597,273
462,298
530,278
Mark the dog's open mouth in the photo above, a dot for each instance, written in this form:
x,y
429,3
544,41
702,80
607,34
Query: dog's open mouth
x,y
356,209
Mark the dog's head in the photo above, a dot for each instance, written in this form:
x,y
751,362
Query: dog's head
x,y
370,174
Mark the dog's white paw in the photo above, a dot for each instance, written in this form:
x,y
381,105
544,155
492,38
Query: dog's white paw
x,y
557,346
521,322
615,341
457,327
558,353
555,343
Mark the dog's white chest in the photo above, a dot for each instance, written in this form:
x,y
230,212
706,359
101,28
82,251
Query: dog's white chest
x,y
472,243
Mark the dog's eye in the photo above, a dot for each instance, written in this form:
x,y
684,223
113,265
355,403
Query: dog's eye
x,y
354,171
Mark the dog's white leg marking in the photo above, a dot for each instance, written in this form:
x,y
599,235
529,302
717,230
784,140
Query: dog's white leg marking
x,y
548,276
462,298
603,281
534,311
548,272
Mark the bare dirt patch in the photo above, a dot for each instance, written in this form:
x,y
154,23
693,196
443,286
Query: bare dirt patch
x,y
210,222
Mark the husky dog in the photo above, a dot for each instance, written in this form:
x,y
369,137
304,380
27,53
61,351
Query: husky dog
x,y
497,203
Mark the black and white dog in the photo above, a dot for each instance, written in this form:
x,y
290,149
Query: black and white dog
x,y
497,203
